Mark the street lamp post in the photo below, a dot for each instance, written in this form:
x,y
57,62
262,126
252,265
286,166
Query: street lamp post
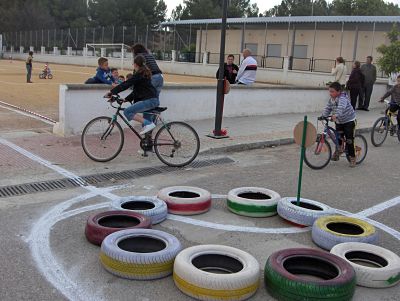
x,y
220,86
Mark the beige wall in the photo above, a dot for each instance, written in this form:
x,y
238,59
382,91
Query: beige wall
x,y
327,42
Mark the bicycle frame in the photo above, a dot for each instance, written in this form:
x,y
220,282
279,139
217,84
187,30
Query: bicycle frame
x,y
146,137
333,134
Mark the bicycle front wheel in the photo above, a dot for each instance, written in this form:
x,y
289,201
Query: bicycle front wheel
x,y
318,155
380,131
102,139
176,144
361,148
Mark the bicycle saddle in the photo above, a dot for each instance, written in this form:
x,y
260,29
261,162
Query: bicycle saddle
x,y
157,110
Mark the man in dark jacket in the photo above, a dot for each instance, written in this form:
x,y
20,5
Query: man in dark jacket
x,y
369,72
355,85
230,69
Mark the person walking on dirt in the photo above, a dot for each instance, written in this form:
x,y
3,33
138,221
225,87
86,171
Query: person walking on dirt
x,y
29,67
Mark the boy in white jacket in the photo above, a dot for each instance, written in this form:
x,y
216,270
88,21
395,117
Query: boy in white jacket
x,y
247,70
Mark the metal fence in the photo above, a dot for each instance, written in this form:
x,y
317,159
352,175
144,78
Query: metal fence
x,y
77,38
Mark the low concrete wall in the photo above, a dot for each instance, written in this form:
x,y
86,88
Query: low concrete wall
x,y
80,103
264,75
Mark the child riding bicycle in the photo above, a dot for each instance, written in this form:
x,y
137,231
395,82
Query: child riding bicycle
x,y
144,94
394,104
343,114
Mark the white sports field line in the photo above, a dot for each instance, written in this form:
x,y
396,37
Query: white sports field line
x,y
26,114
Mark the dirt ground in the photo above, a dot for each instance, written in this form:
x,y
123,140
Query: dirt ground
x,y
42,95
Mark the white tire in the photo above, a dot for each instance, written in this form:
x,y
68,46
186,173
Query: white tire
x,y
305,214
215,272
152,207
139,254
185,200
253,201
384,265
330,230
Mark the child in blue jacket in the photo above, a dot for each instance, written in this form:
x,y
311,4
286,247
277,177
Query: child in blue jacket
x,y
103,74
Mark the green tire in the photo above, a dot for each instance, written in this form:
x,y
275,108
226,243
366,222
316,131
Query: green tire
x,y
285,286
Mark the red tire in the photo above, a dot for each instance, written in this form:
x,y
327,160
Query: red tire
x,y
100,225
185,200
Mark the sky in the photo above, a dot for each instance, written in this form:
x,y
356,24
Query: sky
x,y
262,4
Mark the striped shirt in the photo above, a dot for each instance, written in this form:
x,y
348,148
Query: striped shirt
x,y
151,63
247,71
341,107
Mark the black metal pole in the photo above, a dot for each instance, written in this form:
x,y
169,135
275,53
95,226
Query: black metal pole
x,y
220,85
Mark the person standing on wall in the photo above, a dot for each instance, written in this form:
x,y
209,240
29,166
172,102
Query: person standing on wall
x,y
248,69
157,78
369,72
230,69
355,85
29,67
340,71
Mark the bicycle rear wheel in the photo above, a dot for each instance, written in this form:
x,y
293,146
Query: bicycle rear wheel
x,y
176,144
318,155
360,143
380,131
102,139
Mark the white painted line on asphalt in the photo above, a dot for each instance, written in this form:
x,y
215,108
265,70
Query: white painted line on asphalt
x,y
224,227
380,207
26,114
39,242
219,196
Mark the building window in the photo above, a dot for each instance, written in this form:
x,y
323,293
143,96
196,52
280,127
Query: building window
x,y
253,48
300,51
274,50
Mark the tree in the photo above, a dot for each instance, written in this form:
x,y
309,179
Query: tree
x,y
299,8
211,9
364,8
127,12
71,13
390,59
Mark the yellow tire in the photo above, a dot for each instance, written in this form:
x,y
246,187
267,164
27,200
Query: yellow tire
x,y
139,254
328,231
215,272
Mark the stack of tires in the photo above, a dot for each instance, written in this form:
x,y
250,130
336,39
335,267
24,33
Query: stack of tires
x,y
132,250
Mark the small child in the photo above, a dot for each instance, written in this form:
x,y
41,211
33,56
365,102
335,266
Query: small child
x,y
121,79
115,75
344,116
103,74
46,70
395,99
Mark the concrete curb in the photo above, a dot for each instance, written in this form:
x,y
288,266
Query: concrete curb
x,y
260,144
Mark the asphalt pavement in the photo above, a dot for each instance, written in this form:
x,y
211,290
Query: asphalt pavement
x,y
45,255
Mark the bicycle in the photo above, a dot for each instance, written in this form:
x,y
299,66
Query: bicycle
x,y
383,126
319,154
44,74
176,143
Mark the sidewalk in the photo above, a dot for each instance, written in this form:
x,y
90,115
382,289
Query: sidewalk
x,y
244,133
262,131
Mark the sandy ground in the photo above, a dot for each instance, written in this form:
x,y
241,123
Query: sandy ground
x,y
42,95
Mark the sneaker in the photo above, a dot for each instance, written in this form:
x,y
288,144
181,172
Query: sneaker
x,y
147,128
353,162
335,156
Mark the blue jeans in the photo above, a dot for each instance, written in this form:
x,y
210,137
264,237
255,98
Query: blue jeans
x,y
157,80
141,107
28,73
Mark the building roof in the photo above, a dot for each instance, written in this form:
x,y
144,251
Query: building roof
x,y
294,19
